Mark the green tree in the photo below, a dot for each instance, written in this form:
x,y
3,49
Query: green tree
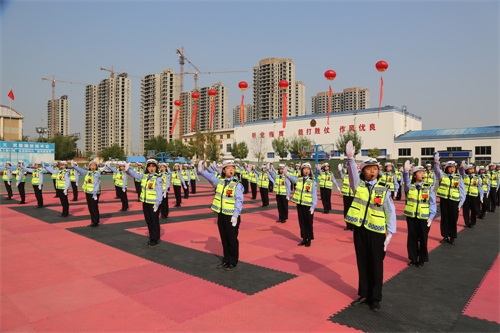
x,y
197,146
212,149
157,143
258,145
300,146
345,137
65,147
240,150
113,152
280,146
374,152
176,148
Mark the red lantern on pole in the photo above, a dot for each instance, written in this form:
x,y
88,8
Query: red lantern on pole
x,y
194,95
283,84
381,66
212,93
243,86
330,76
176,103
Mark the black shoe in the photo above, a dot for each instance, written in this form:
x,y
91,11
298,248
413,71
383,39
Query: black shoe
x,y
22,203
63,215
177,205
230,268
152,243
359,301
74,200
419,264
302,243
283,221
92,225
451,241
308,243
56,196
444,240
411,263
164,217
279,221
123,209
375,306
221,266
9,198
346,228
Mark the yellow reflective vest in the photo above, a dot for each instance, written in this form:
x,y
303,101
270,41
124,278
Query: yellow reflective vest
x,y
148,188
493,176
61,179
225,197
36,175
5,175
471,185
280,187
417,202
72,175
88,183
119,177
485,181
387,178
448,188
325,179
346,187
176,178
367,208
263,180
429,177
303,192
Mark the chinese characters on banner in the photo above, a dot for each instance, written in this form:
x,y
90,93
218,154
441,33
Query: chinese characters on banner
x,y
317,130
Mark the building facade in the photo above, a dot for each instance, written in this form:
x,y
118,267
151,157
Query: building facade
x,y
107,114
11,124
247,114
58,117
355,98
224,136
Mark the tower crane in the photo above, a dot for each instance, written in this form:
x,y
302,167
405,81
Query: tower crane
x,y
112,73
52,106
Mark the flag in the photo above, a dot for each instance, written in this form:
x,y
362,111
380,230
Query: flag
x,y
11,94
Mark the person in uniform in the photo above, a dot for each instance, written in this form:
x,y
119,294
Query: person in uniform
x,y
388,178
120,178
62,186
37,182
194,177
244,178
228,204
177,182
485,181
165,185
186,176
252,178
151,197
473,194
73,178
326,179
92,189
55,166
429,175
451,192
264,178
399,179
347,193
420,210
282,190
373,217
498,182
272,171
306,199
493,177
7,176
138,168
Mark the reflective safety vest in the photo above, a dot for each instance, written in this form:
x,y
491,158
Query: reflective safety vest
x,y
5,175
119,176
72,175
252,177
367,208
163,176
54,175
296,173
429,177
485,181
148,188
225,197
18,172
493,176
176,178
88,183
325,179
280,187
417,201
471,185
193,175
61,179
36,175
387,179
303,192
185,175
448,187
346,187
263,180
244,174
399,175
140,171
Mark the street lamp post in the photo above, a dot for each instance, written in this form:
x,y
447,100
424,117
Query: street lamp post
x,y
41,131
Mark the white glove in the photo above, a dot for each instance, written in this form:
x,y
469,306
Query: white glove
x,y
8,182
185,187
339,167
338,188
387,241
17,183
318,167
200,166
234,220
459,207
349,149
155,208
165,194
65,192
477,168
486,193
127,166
40,187
285,171
407,166
481,199
73,163
436,158
429,221
213,165
462,165
287,197
76,184
311,210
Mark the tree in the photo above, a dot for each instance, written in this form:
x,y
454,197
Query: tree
x,y
258,145
374,152
65,147
240,150
280,146
345,137
300,146
176,148
197,146
113,152
212,150
157,144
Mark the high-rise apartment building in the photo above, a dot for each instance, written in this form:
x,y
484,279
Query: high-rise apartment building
x,y
349,99
268,97
107,114
248,112
204,107
158,93
60,121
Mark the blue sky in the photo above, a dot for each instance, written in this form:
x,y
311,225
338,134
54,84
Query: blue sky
x,y
443,55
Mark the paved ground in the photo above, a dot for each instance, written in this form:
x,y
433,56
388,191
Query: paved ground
x,y
58,275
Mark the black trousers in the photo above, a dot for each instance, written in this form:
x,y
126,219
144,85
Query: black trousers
x,y
74,186
244,182
8,188
492,196
416,244
164,206
93,206
326,198
63,198
186,190
152,220
22,193
253,186
398,194
449,218
483,206
470,210
138,189
369,247
271,187
123,197
54,183
264,196
282,207
347,204
38,196
305,222
229,238
193,186
177,192
118,190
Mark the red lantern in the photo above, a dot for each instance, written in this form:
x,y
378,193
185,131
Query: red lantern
x,y
212,92
330,74
195,95
177,102
243,85
382,66
283,84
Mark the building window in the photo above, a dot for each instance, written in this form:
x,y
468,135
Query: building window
x,y
427,151
229,136
453,148
228,147
221,136
482,160
220,147
383,152
270,155
404,151
364,152
336,153
483,150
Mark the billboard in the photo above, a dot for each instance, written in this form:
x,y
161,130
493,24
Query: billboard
x,y
28,152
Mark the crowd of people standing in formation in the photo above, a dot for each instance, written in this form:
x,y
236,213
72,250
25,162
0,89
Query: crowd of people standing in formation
x,y
368,192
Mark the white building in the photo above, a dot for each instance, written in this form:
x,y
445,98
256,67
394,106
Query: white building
x,y
355,98
58,117
11,124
